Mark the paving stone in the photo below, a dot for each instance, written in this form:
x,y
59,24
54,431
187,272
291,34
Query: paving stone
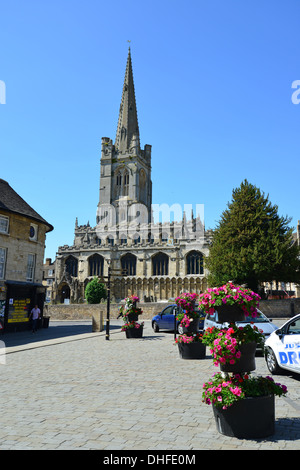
x,y
90,393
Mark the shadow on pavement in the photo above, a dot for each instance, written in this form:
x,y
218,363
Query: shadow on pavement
x,y
287,429
56,330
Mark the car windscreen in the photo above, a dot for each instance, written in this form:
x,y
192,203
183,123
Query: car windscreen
x,y
261,318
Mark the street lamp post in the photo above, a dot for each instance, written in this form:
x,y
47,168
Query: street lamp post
x,y
108,304
175,322
110,273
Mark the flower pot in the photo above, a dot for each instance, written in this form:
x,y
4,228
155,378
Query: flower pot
x,y
250,418
230,313
246,363
192,350
134,332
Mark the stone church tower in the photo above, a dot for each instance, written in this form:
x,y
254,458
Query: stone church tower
x,y
156,261
125,174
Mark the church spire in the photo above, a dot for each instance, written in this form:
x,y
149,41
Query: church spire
x,y
128,129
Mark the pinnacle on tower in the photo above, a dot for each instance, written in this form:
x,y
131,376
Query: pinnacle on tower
x,y
127,136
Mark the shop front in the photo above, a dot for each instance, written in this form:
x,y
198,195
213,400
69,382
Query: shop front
x,y
17,299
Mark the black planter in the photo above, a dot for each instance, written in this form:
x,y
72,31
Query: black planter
x,y
230,313
250,418
246,363
134,332
192,350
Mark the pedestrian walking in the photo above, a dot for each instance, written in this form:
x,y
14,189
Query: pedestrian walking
x,y
34,316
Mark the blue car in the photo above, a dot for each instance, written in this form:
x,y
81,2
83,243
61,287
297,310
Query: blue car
x,y
165,320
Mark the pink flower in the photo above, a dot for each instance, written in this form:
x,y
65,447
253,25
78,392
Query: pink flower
x,y
236,391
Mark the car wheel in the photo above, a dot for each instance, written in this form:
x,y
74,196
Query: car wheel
x,y
272,362
155,327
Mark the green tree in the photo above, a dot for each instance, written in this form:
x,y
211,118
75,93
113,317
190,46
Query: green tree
x,y
252,243
95,291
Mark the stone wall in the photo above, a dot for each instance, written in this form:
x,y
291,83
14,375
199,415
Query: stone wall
x,y
284,308
86,311
272,308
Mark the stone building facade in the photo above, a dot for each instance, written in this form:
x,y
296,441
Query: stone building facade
x,y
22,245
48,277
156,261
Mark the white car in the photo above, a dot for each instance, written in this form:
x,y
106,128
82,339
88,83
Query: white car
x,y
261,322
282,348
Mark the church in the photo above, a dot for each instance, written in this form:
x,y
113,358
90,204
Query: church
x,y
151,259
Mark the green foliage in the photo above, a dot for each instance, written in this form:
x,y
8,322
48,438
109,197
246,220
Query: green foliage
x,y
252,243
95,291
225,391
132,324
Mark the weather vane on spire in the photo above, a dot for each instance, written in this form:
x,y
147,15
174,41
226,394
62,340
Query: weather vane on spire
x,y
129,41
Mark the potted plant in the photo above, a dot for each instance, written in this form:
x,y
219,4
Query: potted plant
x,y
130,312
231,301
133,329
234,348
188,315
191,347
243,406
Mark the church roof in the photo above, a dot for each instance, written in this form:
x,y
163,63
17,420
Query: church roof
x,y
11,201
128,129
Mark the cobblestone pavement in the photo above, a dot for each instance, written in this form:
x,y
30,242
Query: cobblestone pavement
x,y
69,388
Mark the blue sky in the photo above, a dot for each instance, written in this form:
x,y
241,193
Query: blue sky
x,y
213,82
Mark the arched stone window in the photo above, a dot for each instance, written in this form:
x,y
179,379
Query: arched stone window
x,y
119,179
194,263
72,266
123,239
96,263
119,183
136,238
128,263
126,183
160,265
